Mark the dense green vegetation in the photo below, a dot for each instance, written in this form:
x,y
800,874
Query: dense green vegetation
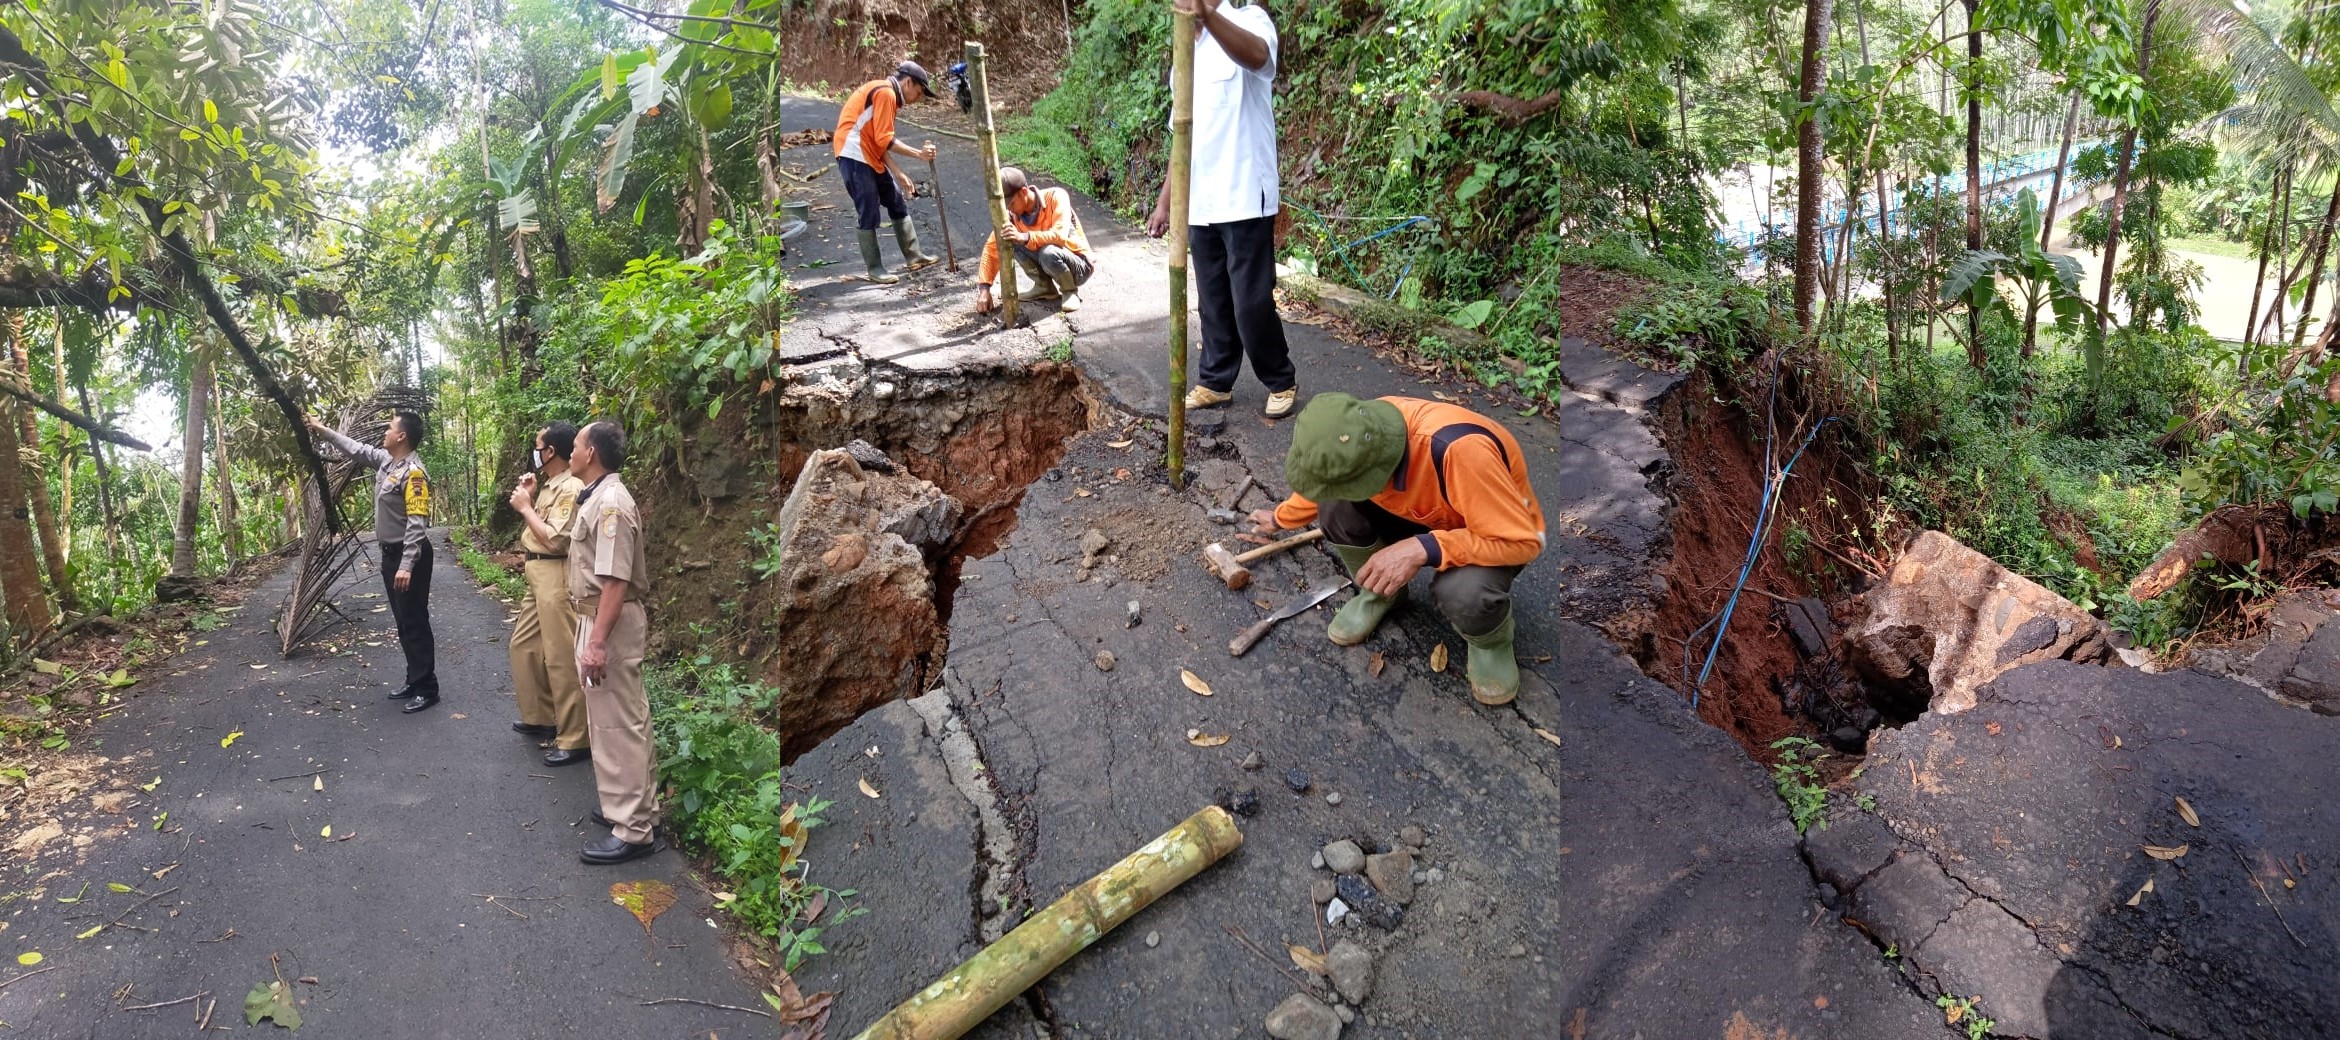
x,y
216,214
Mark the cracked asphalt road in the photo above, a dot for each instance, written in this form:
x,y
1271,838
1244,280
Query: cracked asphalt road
x,y
1631,874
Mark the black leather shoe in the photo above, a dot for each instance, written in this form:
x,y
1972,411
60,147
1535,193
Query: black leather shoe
x,y
402,693
568,756
613,850
597,817
420,702
526,730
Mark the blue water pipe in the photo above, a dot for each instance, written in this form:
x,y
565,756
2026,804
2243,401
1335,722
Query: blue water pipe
x,y
1763,518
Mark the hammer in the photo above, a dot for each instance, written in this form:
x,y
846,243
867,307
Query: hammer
x,y
1232,568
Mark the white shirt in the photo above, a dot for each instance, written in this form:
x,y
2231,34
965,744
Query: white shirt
x,y
1234,168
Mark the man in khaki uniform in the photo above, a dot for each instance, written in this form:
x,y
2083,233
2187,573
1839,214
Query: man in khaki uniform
x,y
544,637
606,574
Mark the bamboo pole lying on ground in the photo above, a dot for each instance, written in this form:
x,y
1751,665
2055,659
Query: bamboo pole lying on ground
x,y
1181,165
987,147
969,993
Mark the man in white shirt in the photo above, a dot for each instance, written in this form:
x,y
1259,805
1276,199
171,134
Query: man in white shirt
x,y
1232,203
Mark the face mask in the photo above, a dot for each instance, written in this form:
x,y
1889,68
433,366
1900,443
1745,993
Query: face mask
x,y
536,458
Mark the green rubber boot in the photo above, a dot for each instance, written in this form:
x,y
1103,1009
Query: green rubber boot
x,y
877,264
906,234
1494,671
1355,621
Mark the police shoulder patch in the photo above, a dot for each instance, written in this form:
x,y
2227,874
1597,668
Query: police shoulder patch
x,y
418,493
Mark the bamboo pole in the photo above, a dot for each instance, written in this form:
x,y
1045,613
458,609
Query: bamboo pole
x,y
987,147
1181,169
969,993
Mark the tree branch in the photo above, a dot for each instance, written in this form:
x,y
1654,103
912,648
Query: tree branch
x,y
96,429
1513,110
101,149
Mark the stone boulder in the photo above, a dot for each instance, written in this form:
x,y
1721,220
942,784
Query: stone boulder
x,y
852,621
1949,619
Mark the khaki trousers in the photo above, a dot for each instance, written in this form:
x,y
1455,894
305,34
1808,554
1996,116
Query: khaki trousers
x,y
625,765
544,656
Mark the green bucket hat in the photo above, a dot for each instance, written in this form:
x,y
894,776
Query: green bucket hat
x,y
1344,449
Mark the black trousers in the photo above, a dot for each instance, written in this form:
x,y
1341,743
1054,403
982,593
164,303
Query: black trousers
x,y
871,192
412,609
1473,599
1235,289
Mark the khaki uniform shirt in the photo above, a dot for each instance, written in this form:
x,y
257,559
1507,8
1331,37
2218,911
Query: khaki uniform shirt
x,y
556,504
605,541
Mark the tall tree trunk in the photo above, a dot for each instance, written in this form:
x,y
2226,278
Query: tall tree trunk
x,y
113,525
2284,273
231,532
1885,255
2315,271
27,610
2047,222
195,431
1809,166
2120,198
2266,251
44,512
1974,225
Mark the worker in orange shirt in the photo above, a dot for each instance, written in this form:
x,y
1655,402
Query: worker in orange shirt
x,y
1399,484
864,141
1050,246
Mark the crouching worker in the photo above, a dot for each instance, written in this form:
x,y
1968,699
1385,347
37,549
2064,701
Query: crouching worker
x,y
1049,244
1399,484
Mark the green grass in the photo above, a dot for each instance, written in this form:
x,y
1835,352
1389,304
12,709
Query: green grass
x,y
511,587
2216,247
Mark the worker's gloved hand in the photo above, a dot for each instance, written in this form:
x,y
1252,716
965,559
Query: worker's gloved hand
x,y
1390,569
1263,521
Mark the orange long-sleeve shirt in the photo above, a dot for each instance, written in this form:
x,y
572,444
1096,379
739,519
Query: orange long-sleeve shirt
x,y
1052,223
1463,477
866,123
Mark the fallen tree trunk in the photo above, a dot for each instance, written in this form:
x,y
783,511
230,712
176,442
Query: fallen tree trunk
x,y
2231,535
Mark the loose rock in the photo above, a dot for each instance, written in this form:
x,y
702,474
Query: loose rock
x,y
1253,761
1316,861
1133,615
1351,969
1104,660
1333,798
1413,837
1517,950
1323,891
1344,857
1301,1017
1378,912
1093,545
1297,781
1334,911
1244,802
1950,619
1392,874
1153,939
1346,1014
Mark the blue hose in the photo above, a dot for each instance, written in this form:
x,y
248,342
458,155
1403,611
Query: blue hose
x,y
1763,517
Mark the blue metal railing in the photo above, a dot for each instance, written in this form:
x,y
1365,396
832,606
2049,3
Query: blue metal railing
x,y
1998,178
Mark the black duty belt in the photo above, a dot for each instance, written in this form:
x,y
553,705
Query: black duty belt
x,y
545,556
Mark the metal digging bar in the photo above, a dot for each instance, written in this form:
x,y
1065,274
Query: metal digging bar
x,y
326,556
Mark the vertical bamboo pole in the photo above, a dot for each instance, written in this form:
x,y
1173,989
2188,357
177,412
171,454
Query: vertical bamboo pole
x,y
969,993
987,146
1181,167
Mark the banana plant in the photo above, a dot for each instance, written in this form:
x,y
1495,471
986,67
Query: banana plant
x,y
2040,279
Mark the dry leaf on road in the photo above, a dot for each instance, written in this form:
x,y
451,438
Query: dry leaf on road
x,y
791,836
807,1018
1123,443
643,899
865,788
1199,738
1438,658
1308,960
1194,682
2186,813
2140,896
1379,663
2165,852
1548,735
